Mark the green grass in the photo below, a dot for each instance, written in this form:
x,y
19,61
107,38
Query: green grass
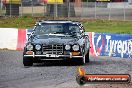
x,y
109,26
16,22
90,25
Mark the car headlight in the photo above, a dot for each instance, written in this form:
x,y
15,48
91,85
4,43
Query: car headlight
x,y
67,47
29,47
38,47
75,47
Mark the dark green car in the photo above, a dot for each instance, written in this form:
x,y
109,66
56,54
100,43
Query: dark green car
x,y
57,40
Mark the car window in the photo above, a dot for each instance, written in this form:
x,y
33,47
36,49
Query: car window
x,y
56,28
65,28
42,29
74,29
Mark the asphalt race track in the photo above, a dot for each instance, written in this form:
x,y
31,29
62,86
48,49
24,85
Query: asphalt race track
x,y
56,74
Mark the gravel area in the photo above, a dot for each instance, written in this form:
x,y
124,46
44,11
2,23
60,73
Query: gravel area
x,y
57,74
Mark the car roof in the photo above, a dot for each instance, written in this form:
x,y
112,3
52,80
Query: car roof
x,y
58,21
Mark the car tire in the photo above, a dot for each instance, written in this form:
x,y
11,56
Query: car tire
x,y
27,61
87,57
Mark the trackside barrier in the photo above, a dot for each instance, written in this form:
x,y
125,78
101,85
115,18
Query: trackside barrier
x,y
22,36
113,45
102,44
12,38
8,38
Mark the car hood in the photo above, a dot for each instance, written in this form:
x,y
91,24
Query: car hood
x,y
58,39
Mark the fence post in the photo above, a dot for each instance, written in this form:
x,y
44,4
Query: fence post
x,y
68,9
54,11
21,9
87,3
95,14
124,11
81,10
110,11
44,8
10,7
56,15
32,8
1,7
87,8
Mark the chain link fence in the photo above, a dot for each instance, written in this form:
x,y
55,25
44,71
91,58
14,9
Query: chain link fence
x,y
90,10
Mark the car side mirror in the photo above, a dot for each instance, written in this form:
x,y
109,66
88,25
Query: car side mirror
x,y
81,31
28,35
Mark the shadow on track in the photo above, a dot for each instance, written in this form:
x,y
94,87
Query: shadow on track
x,y
66,63
56,63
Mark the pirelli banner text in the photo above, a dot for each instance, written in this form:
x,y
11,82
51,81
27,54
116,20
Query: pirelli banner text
x,y
55,1
11,1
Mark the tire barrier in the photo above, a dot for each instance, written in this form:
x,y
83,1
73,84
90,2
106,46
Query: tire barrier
x,y
102,44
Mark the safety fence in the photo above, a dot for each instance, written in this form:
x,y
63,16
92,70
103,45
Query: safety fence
x,y
102,44
91,10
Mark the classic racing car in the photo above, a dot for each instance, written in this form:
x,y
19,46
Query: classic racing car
x,y
57,40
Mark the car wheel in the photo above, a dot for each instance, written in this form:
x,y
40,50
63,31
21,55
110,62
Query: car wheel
x,y
87,57
27,61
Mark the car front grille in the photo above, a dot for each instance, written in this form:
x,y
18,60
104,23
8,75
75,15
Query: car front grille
x,y
53,49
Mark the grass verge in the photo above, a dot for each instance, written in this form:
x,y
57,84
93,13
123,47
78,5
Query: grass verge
x,y
90,25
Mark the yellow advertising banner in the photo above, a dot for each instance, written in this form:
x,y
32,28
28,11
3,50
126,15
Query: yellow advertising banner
x,y
12,1
55,1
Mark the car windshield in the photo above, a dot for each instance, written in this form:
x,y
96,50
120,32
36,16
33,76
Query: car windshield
x,y
57,28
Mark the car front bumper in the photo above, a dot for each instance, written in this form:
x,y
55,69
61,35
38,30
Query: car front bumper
x,y
52,56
